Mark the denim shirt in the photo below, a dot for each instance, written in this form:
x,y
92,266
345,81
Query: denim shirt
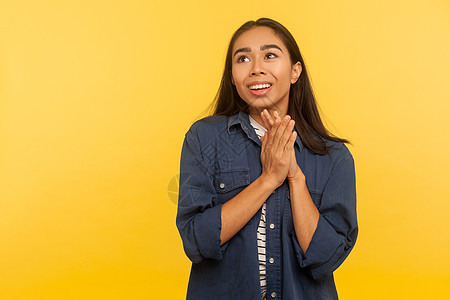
x,y
220,157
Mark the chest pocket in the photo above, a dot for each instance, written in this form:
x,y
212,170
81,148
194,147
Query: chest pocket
x,y
231,182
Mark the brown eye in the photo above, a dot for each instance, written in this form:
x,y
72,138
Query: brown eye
x,y
270,55
241,58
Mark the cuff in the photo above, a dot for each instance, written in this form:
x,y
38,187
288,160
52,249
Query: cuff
x,y
207,233
324,244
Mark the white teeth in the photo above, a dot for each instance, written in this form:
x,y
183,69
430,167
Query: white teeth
x,y
260,86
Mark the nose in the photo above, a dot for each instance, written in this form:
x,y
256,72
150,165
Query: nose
x,y
257,68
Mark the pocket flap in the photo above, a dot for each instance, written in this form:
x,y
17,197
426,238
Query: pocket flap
x,y
228,180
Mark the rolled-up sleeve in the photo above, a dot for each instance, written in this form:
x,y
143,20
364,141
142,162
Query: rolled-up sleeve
x,y
198,219
337,228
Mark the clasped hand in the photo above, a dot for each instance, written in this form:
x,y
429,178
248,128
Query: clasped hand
x,y
277,150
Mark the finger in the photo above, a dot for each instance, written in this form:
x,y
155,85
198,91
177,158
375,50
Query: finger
x,y
263,141
272,119
264,148
280,135
271,134
266,122
276,115
267,118
291,141
276,134
284,140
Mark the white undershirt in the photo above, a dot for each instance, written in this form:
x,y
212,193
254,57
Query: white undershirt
x,y
261,231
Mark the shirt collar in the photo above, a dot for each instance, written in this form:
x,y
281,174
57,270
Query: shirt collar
x,y
242,118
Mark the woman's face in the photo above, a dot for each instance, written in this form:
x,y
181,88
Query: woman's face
x,y
262,70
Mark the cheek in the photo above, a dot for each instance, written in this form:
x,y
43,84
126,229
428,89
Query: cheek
x,y
238,74
241,89
239,84
283,74
282,69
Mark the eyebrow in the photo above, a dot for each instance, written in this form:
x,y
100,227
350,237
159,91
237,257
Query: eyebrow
x,y
263,47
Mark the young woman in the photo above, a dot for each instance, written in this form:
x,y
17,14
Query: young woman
x,y
267,200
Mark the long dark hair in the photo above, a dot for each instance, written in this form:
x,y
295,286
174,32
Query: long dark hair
x,y
302,103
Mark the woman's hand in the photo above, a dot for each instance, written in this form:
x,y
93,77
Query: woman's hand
x,y
294,171
276,150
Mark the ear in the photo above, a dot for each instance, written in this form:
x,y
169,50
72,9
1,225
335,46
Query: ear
x,y
296,71
232,80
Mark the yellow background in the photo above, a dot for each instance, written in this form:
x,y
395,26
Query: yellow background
x,y
95,99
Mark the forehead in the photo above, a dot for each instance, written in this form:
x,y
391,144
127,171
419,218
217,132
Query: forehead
x,y
256,37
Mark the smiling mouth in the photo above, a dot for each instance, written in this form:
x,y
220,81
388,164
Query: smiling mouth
x,y
260,86
260,89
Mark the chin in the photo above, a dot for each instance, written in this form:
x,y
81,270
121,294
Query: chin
x,y
261,103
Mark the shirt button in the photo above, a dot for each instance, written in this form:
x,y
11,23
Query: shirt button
x,y
222,185
271,260
272,226
273,295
